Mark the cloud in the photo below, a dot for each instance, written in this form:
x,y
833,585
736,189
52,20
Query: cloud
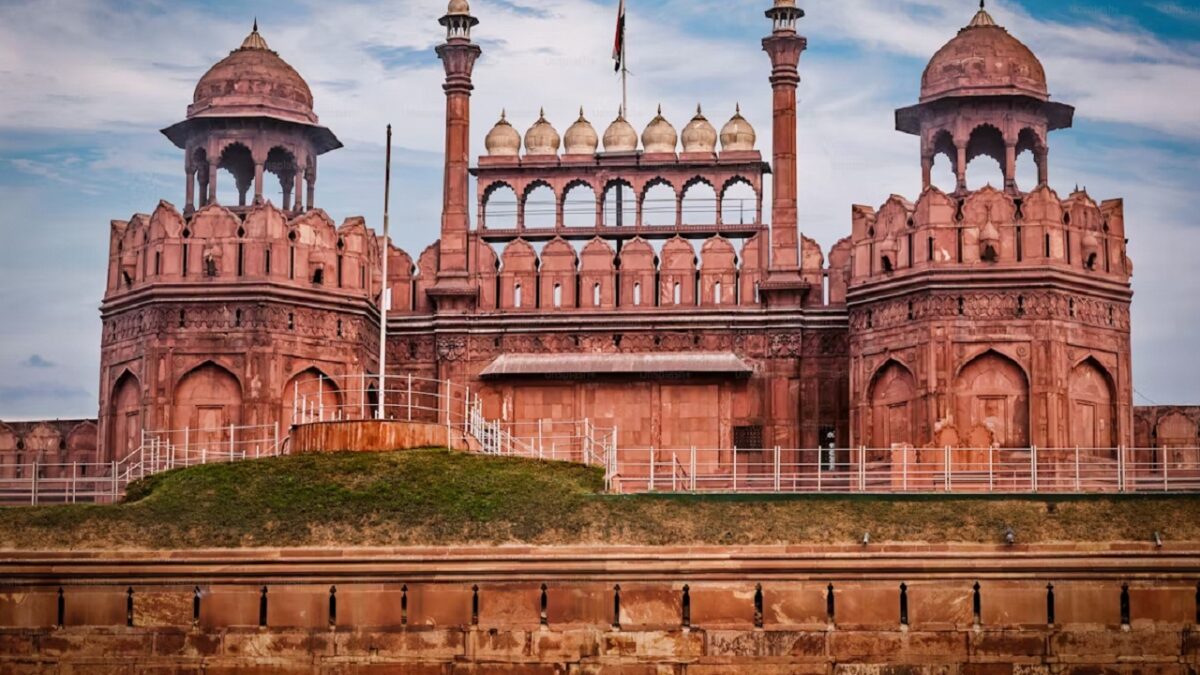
x,y
37,361
88,85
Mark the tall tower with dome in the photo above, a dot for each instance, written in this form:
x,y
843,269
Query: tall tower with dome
x,y
217,315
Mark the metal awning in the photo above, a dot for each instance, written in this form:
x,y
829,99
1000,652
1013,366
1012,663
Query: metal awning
x,y
724,363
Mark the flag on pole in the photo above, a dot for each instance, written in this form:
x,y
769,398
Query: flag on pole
x,y
619,42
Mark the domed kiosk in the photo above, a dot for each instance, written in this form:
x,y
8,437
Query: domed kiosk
x,y
984,93
252,114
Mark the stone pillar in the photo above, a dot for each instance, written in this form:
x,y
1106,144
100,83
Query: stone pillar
x,y
310,196
258,182
454,290
960,166
1043,165
784,285
926,171
1010,166
212,183
298,199
190,203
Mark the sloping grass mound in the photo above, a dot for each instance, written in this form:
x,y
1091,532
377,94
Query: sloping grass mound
x,y
435,497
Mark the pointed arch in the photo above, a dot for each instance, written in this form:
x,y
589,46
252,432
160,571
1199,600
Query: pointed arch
x,y
207,400
1092,410
892,407
539,206
986,140
699,203
620,204
124,424
658,202
498,208
314,389
991,390
638,272
579,204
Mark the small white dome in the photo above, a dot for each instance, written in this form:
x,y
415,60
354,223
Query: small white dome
x,y
659,135
542,139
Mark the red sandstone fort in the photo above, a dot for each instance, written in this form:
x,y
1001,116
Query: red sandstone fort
x,y
996,318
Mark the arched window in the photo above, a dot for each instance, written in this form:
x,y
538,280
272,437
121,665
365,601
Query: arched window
x,y
236,175
699,203
500,208
637,293
678,293
658,204
717,293
541,206
596,295
620,205
739,203
517,296
945,155
579,206
985,158
282,164
1028,146
558,295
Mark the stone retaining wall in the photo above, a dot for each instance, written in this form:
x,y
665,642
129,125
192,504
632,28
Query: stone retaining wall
x,y
681,611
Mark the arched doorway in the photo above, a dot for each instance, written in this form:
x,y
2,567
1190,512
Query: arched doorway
x,y
1092,412
893,393
315,391
207,402
992,391
125,418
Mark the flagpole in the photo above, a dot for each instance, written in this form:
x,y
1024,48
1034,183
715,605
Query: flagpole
x,y
385,291
624,81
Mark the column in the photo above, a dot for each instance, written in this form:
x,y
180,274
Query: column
x,y
960,167
1010,166
258,183
190,204
1043,162
212,183
298,199
310,196
926,171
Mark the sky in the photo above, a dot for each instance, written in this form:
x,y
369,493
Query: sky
x,y
85,85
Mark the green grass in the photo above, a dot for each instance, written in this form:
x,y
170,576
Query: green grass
x,y
440,497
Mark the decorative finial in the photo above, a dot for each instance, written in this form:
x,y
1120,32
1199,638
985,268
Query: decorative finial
x,y
503,115
982,4
698,111
581,112
660,110
542,113
737,108
256,24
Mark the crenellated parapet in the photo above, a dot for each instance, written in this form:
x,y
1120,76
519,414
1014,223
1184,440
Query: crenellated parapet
x,y
306,252
992,232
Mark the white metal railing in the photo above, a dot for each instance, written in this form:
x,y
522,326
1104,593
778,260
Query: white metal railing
x,y
37,483
460,410
907,470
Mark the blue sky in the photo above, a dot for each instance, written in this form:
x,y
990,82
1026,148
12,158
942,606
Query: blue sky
x,y
87,84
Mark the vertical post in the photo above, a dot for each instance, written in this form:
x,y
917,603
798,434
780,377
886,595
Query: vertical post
x,y
385,291
1166,470
820,468
276,451
949,479
232,445
991,467
777,452
1078,486
446,406
904,468
114,481
321,398
466,409
33,493
1033,468
650,487
409,397
74,477
692,469
1122,476
539,439
735,470
862,468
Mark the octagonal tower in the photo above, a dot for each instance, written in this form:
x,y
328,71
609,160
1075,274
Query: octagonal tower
x,y
994,318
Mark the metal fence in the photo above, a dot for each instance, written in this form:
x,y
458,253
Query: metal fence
x,y
37,483
907,470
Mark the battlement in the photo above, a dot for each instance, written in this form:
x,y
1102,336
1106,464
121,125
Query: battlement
x,y
988,230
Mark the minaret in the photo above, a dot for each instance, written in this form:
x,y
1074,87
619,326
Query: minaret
x,y
784,285
453,290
